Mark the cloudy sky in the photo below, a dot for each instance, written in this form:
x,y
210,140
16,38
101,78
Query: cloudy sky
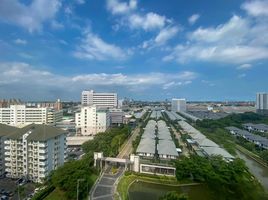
x,y
143,49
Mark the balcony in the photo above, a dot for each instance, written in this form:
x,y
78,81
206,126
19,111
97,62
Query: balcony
x,y
42,157
7,159
42,145
42,151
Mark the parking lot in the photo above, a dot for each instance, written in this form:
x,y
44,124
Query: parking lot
x,y
9,189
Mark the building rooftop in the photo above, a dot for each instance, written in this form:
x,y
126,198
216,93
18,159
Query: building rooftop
x,y
39,132
217,151
167,147
263,127
7,130
146,145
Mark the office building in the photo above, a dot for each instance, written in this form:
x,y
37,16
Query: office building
x,y
103,100
34,151
116,116
262,103
21,115
91,120
178,105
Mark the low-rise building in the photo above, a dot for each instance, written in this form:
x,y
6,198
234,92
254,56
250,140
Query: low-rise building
x,y
256,127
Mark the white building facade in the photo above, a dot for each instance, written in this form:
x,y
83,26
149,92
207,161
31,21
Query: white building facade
x,y
103,100
92,120
34,151
21,115
262,103
178,105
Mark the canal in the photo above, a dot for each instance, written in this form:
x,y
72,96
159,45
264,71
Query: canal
x,y
258,170
144,191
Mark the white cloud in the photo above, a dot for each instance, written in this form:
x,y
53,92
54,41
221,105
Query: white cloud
x,y
232,32
80,2
256,8
93,47
161,38
56,25
244,66
42,82
166,34
117,7
193,19
30,16
238,41
20,41
223,54
174,84
150,21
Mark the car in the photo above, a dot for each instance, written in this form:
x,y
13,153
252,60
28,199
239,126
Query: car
x,y
4,197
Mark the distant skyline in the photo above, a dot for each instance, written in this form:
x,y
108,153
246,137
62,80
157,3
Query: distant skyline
x,y
141,49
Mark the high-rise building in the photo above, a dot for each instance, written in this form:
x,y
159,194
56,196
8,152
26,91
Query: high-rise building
x,y
178,105
92,120
34,151
262,103
103,100
21,115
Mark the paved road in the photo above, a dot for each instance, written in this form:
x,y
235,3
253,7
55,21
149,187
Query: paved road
x,y
127,149
106,186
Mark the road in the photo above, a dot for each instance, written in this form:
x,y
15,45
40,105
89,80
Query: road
x,y
127,148
106,185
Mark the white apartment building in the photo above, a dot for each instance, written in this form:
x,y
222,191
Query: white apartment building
x,y
104,100
34,151
92,120
262,103
4,131
178,105
21,115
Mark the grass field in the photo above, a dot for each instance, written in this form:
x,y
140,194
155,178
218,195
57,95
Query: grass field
x,y
56,195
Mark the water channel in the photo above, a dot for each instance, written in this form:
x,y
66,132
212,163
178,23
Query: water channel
x,y
258,170
143,191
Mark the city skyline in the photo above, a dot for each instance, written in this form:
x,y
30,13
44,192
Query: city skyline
x,y
139,49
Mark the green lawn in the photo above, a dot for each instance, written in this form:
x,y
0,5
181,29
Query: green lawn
x,y
56,195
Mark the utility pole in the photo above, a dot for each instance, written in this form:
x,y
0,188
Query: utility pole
x,y
18,192
77,188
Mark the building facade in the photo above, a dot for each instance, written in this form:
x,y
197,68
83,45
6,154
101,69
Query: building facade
x,y
92,120
178,105
34,151
21,115
262,103
103,100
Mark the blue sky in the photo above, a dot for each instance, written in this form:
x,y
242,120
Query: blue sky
x,y
142,49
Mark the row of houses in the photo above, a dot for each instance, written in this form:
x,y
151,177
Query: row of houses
x,y
157,141
201,144
156,114
256,139
174,116
263,128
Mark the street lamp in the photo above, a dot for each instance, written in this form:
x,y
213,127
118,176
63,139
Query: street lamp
x,y
81,179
